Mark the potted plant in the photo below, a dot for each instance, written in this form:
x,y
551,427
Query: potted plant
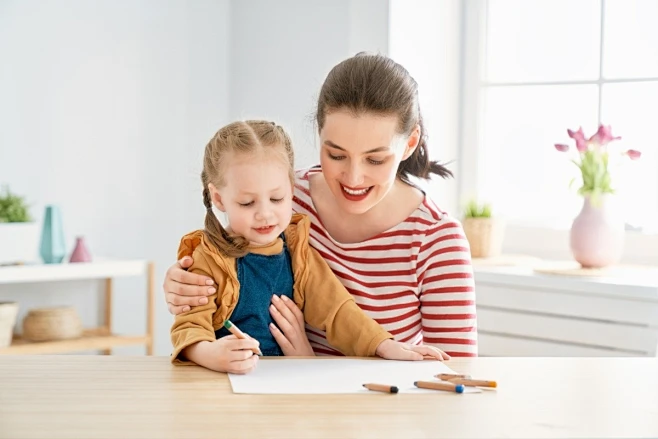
x,y
484,231
19,234
597,233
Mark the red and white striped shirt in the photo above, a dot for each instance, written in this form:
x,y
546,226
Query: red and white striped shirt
x,y
415,279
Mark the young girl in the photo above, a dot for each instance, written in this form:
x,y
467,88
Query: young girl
x,y
262,254
405,261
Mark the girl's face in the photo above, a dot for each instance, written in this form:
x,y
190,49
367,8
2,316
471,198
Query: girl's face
x,y
257,197
360,156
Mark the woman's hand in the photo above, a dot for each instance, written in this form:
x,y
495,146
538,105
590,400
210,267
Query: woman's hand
x,y
184,290
393,350
227,354
292,337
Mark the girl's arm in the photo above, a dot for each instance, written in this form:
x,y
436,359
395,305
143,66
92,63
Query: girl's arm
x,y
447,290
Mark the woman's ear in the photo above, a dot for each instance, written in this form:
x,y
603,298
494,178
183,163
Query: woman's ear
x,y
215,197
412,142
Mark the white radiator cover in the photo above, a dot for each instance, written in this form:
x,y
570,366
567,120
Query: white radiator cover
x,y
523,313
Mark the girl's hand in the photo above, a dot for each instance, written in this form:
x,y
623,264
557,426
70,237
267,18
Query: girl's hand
x,y
292,337
184,290
393,350
227,354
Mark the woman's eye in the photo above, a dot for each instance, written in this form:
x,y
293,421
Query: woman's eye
x,y
375,162
276,200
336,157
246,204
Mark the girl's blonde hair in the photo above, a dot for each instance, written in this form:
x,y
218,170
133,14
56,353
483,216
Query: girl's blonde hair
x,y
244,137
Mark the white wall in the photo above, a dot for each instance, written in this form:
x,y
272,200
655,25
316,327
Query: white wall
x,y
282,50
425,38
105,108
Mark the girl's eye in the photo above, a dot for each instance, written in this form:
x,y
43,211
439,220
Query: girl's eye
x,y
276,200
246,204
336,157
375,162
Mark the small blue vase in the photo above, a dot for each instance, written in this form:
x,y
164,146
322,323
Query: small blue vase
x,y
53,248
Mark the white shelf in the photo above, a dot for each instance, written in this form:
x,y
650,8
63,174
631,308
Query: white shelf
x,y
103,269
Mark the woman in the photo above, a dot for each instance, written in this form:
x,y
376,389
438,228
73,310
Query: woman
x,y
406,262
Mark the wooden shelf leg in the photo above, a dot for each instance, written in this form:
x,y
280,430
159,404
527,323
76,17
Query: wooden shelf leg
x,y
150,307
108,311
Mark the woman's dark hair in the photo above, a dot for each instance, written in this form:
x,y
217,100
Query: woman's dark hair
x,y
369,83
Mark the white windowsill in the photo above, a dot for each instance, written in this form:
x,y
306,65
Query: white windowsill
x,y
553,243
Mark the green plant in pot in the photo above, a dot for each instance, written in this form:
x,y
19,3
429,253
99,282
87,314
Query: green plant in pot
x,y
19,234
13,208
484,231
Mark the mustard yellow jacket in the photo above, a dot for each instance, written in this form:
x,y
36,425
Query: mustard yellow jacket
x,y
325,302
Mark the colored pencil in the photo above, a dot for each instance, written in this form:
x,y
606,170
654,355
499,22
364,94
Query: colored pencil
x,y
239,334
381,388
434,385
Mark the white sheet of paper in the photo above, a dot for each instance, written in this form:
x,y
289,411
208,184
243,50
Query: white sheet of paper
x,y
308,376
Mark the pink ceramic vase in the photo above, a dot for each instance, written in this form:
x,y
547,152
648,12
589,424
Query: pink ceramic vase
x,y
80,252
597,234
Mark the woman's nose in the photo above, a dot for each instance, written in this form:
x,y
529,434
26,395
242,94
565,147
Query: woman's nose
x,y
353,176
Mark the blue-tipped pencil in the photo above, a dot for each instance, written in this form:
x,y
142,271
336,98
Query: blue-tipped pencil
x,y
239,334
433,385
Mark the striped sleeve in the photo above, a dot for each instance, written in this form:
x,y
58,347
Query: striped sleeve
x,y
447,290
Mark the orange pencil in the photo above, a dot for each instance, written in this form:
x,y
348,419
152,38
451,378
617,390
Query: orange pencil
x,y
239,334
447,386
381,388
473,383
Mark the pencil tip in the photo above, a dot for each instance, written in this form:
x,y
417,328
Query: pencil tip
x,y
394,389
415,383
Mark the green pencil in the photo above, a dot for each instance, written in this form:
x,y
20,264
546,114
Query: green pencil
x,y
239,334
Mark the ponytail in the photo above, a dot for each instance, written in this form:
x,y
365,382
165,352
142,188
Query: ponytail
x,y
419,164
232,246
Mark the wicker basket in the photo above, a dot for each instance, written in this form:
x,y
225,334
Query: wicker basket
x,y
8,313
485,236
52,324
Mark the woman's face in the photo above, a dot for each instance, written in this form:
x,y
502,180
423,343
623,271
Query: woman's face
x,y
360,156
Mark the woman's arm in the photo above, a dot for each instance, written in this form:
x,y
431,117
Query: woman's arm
x,y
447,290
184,289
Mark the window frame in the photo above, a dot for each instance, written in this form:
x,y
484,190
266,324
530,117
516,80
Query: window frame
x,y
641,247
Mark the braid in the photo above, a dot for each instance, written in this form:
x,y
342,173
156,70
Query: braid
x,y
235,246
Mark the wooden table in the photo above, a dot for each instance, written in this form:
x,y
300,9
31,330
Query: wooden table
x,y
146,397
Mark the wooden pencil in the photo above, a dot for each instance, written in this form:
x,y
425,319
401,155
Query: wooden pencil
x,y
473,383
449,376
381,388
239,334
440,385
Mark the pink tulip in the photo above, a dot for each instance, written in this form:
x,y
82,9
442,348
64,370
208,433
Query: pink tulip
x,y
579,137
633,154
562,147
603,136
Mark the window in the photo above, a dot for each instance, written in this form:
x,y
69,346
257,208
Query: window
x,y
532,69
